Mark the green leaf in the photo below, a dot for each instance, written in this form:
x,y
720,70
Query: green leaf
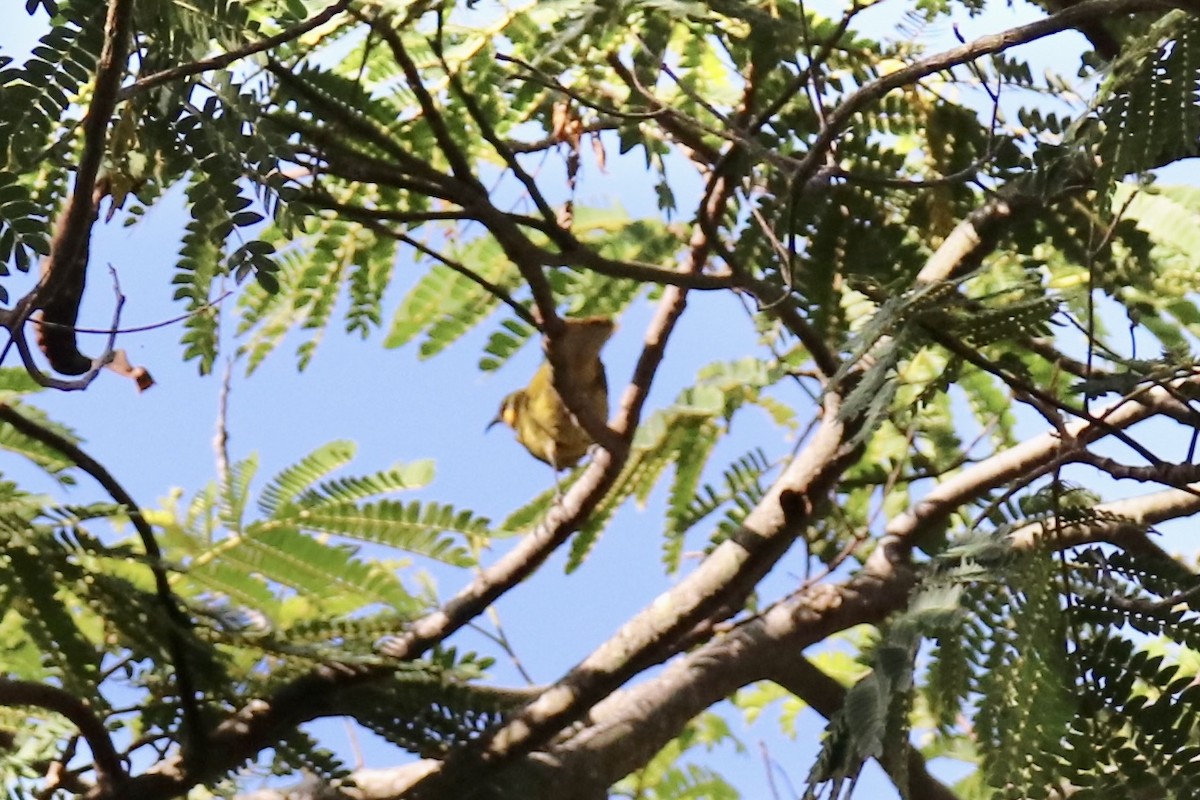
x,y
287,486
415,528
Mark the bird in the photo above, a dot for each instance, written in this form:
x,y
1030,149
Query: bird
x,y
543,424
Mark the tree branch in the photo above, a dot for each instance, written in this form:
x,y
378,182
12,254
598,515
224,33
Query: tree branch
x,y
225,59
64,271
353,211
413,172
1034,453
626,728
1122,522
175,614
110,773
261,722
106,358
543,297
965,247
495,290
1177,475
585,258
872,91
729,573
823,356
577,256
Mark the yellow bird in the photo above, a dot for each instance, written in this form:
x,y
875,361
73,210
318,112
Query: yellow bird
x,y
543,423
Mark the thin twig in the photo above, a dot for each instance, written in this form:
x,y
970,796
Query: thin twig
x,y
494,289
500,638
768,768
17,336
225,59
710,156
488,131
824,357
59,777
813,88
357,212
152,326
221,436
801,80
1179,476
841,115
1020,384
542,79
355,747
459,164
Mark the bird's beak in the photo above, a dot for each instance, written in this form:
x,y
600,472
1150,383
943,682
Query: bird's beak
x,y
493,423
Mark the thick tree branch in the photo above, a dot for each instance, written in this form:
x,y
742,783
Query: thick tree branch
x,y
1124,523
110,773
629,726
64,271
626,727
972,239
730,572
74,230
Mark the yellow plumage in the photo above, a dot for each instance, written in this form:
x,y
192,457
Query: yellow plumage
x,y
543,424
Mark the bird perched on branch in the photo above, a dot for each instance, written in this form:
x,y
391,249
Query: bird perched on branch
x,y
543,423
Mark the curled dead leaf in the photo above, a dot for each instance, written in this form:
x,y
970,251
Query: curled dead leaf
x,y
140,375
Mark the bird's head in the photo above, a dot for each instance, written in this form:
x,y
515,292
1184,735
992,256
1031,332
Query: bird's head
x,y
510,409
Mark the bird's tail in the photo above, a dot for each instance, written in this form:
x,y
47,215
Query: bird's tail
x,y
582,339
